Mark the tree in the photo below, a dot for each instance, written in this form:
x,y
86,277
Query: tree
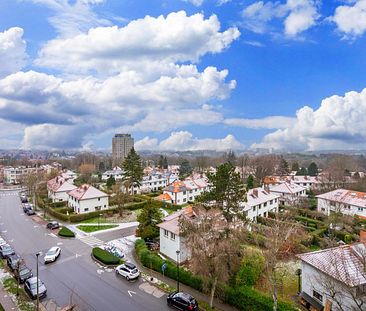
x,y
133,169
110,182
295,166
120,198
302,172
101,167
226,192
250,182
231,158
282,168
313,169
165,163
264,166
185,169
215,250
161,161
149,218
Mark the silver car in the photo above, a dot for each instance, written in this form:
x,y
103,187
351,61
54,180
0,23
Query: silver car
x,y
128,270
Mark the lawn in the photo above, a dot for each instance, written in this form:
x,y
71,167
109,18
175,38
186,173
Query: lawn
x,y
23,301
92,228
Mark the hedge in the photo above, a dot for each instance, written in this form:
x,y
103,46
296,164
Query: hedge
x,y
243,298
57,204
309,221
57,215
66,232
104,256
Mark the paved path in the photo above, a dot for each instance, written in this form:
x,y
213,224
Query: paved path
x,y
6,301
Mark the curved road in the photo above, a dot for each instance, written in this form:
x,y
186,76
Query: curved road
x,y
74,276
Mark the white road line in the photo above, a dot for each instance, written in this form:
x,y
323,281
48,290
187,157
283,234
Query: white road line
x,y
4,231
35,226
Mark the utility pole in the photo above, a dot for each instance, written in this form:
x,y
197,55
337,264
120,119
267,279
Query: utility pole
x,y
37,255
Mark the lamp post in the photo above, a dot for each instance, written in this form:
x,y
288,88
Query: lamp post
x,y
100,215
178,252
298,273
37,255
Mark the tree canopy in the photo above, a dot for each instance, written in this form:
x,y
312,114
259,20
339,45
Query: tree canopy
x,y
185,168
313,169
149,218
132,168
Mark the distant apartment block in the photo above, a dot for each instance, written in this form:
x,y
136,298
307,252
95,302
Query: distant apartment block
x,y
121,146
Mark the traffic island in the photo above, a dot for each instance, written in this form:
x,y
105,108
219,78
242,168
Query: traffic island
x,y
105,258
66,233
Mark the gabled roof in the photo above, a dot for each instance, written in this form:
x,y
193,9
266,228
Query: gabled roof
x,y
288,188
343,263
59,184
164,197
176,186
350,197
171,222
259,195
85,192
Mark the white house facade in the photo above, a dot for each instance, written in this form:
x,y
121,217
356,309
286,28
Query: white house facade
x,y
289,193
116,173
334,279
86,198
347,202
260,202
58,188
170,239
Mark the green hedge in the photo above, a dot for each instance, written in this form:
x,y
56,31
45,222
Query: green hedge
x,y
309,221
105,257
57,214
57,204
243,298
66,232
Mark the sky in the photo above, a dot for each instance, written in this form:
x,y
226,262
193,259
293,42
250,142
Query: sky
x,y
288,75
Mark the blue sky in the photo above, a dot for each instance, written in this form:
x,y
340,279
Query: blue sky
x,y
183,75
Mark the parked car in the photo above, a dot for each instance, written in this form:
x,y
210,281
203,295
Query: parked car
x,y
30,212
151,244
13,261
128,270
6,251
52,254
2,241
26,206
30,286
23,273
24,199
53,225
182,301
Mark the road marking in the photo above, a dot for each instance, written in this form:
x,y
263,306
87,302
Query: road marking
x,y
22,214
35,226
53,235
130,292
4,231
11,241
100,271
59,243
91,241
77,255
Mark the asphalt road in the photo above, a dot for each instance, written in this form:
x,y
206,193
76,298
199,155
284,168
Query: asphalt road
x,y
74,276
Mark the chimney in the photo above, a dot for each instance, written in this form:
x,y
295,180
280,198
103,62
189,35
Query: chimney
x,y
255,192
266,189
306,177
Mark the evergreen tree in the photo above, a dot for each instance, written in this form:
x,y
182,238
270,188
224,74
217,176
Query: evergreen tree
x,y
101,167
161,161
313,169
226,190
149,217
185,169
302,172
133,170
282,167
110,182
250,182
295,166
231,158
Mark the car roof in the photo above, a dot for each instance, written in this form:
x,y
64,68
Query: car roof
x,y
15,256
53,248
185,296
33,280
130,265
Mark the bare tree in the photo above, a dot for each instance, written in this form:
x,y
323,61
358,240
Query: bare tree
x,y
264,166
120,198
215,250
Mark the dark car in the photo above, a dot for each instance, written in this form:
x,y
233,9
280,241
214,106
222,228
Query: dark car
x,y
53,225
30,212
182,301
26,206
24,199
30,286
151,244
6,251
23,274
13,261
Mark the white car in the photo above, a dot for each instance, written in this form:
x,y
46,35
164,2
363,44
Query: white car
x,y
52,254
128,270
2,241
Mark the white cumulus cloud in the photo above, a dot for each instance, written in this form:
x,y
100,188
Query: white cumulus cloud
x,y
297,16
351,19
337,124
272,122
143,42
12,51
184,140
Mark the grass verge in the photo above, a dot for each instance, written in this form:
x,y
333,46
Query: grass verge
x,y
91,228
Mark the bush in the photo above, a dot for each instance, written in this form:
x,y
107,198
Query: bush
x,y
309,222
66,232
105,257
57,215
251,268
57,204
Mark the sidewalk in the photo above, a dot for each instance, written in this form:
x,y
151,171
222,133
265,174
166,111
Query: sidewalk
x,y
218,305
6,301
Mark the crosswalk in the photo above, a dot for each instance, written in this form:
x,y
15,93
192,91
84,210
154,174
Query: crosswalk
x,y
7,194
92,241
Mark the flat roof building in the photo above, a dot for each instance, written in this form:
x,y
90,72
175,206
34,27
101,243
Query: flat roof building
x,y
121,146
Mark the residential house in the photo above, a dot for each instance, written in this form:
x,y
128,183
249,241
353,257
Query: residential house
x,y
15,175
186,191
170,238
58,188
86,198
309,182
260,201
68,175
289,193
347,202
334,278
116,173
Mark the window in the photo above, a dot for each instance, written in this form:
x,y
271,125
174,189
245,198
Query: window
x,y
166,233
270,202
98,199
86,209
317,295
265,204
184,192
172,236
184,199
253,208
360,208
259,206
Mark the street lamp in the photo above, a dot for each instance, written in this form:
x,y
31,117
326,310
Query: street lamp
x,y
178,252
100,215
298,273
37,255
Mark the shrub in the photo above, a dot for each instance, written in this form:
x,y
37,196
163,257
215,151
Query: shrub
x,y
57,215
66,232
57,204
309,221
251,268
105,257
